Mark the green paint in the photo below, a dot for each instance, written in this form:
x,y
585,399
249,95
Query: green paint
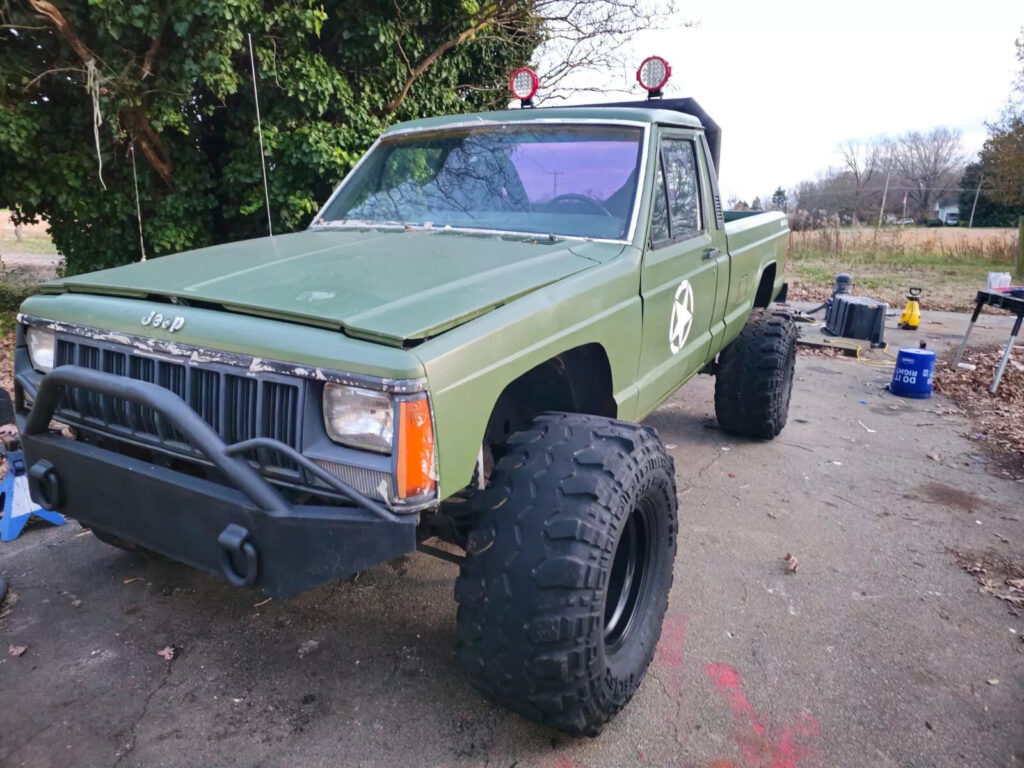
x,y
469,311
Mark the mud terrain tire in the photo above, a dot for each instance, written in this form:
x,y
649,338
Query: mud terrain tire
x,y
755,377
568,570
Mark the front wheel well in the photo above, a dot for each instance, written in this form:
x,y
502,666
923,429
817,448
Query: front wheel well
x,y
578,380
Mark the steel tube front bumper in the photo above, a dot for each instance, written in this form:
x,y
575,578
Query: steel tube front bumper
x,y
245,529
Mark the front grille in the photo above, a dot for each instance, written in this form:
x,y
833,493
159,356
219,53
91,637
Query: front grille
x,y
369,482
237,407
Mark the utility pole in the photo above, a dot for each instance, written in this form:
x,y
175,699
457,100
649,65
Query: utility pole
x,y
554,182
974,207
881,211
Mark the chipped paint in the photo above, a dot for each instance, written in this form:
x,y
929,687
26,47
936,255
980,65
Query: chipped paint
x,y
193,355
385,493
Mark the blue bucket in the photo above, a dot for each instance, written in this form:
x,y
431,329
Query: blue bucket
x,y
913,374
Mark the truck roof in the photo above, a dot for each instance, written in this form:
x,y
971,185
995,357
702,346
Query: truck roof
x,y
684,112
585,112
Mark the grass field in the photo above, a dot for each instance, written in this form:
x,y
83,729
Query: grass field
x,y
33,238
949,264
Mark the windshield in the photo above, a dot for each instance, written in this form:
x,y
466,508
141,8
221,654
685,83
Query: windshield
x,y
559,179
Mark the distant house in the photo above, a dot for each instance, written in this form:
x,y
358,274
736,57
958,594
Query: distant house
x,y
947,210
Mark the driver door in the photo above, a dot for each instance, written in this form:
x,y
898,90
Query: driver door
x,y
679,277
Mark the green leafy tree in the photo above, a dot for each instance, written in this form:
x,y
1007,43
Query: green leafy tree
x,y
779,200
94,90
1002,156
988,213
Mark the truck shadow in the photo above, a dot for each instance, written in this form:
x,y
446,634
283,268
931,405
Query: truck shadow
x,y
337,665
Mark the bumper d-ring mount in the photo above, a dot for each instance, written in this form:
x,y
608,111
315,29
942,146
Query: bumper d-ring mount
x,y
235,546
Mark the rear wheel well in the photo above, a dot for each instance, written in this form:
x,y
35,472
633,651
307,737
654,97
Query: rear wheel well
x,y
766,287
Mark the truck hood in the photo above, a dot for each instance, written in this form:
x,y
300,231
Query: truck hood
x,y
386,286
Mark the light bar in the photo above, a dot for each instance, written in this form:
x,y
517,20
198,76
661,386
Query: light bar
x,y
653,73
524,84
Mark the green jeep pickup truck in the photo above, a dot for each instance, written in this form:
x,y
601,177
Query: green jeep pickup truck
x,y
457,349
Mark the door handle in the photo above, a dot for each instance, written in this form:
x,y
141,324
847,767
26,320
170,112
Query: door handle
x,y
711,253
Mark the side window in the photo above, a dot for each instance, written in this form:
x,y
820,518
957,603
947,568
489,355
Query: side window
x,y
659,214
683,181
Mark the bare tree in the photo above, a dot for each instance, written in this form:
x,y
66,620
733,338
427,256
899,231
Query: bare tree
x,y
575,35
930,165
864,162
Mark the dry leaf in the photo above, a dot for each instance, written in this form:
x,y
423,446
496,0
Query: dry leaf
x,y
934,457
995,417
76,603
791,563
132,581
167,653
993,681
17,650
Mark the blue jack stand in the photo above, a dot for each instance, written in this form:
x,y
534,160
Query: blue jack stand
x,y
17,503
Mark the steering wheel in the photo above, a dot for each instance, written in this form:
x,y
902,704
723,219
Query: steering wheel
x,y
582,199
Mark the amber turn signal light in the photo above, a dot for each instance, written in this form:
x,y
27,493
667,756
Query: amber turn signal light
x,y
415,465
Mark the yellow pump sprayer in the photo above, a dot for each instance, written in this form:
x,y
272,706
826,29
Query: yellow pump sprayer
x,y
911,317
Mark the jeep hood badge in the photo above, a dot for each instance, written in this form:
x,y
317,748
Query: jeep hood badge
x,y
168,323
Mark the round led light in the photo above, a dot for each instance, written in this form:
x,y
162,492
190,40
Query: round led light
x,y
653,73
524,83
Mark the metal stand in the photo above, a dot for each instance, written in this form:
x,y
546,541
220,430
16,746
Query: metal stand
x,y
1006,355
999,300
970,327
17,504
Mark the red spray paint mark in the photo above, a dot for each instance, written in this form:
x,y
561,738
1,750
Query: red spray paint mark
x,y
757,747
673,638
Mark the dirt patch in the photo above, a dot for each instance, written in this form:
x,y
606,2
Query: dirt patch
x,y
820,350
997,418
940,493
940,297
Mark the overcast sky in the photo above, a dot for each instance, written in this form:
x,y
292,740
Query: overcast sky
x,y
790,80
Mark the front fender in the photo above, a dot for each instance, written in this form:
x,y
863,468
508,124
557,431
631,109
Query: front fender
x,y
468,367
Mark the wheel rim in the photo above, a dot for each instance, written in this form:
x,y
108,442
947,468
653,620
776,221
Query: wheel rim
x,y
627,583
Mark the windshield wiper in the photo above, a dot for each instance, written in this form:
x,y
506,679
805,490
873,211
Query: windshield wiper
x,y
366,224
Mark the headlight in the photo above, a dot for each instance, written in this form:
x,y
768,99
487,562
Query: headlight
x,y
41,343
359,418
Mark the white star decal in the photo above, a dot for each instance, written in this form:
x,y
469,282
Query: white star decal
x,y
682,317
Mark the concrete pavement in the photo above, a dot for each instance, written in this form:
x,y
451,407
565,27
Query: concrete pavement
x,y
875,653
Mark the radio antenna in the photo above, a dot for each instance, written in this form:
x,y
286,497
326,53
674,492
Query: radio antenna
x,y
259,131
138,205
